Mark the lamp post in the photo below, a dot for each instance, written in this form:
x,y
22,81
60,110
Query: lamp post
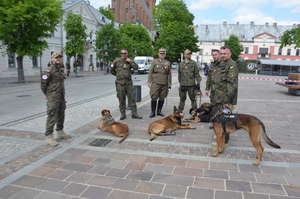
x,y
105,59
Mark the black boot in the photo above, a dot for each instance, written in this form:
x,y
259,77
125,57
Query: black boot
x,y
153,108
159,107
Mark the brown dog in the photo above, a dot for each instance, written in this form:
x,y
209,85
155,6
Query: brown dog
x,y
167,124
201,114
233,122
117,128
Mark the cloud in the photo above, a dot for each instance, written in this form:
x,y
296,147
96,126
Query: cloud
x,y
245,15
296,10
286,4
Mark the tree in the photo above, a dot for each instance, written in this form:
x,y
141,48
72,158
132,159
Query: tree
x,y
171,11
236,48
75,34
291,37
107,13
108,43
174,24
24,24
140,38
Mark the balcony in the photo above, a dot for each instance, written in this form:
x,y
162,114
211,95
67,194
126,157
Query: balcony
x,y
263,55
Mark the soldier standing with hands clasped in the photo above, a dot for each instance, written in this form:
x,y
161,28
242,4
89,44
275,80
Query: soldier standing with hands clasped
x,y
52,85
222,81
189,80
159,82
124,86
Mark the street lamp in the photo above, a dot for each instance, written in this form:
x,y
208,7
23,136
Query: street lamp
x,y
105,59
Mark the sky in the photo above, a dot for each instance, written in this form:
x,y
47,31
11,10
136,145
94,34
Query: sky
x,y
283,12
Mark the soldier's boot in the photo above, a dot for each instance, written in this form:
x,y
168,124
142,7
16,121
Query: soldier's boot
x,y
153,108
61,135
159,107
50,140
136,116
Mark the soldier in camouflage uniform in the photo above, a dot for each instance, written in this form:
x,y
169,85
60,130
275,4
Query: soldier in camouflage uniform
x,y
159,82
189,80
52,85
222,81
124,86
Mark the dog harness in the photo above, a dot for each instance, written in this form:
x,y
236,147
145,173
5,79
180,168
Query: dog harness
x,y
109,120
224,118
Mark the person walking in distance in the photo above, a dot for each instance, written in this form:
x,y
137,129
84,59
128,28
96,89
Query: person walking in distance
x,y
189,80
159,82
222,81
124,86
52,85
68,68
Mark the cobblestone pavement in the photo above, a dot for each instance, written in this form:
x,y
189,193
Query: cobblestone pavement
x,y
170,167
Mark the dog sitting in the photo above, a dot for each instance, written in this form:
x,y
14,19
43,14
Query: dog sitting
x,y
229,123
201,114
117,128
168,124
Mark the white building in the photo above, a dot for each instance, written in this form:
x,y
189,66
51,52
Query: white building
x,y
93,20
259,41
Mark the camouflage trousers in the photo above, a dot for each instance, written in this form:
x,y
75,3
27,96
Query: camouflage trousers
x,y
56,114
192,95
124,90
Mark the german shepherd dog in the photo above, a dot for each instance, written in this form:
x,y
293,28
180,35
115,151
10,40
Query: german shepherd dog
x,y
251,124
201,114
168,124
117,128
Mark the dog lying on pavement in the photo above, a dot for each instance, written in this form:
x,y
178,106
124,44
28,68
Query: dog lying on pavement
x,y
168,124
201,114
230,123
109,124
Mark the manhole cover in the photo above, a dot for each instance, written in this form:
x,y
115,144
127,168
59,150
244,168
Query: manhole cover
x,y
23,95
100,142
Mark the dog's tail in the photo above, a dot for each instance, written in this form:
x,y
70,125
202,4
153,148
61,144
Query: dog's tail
x,y
152,136
266,138
126,133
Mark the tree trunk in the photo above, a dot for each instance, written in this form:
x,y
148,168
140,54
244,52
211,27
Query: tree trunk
x,y
21,77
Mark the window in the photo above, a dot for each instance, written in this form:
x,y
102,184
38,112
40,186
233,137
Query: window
x,y
34,62
11,61
246,49
279,51
288,52
297,52
263,52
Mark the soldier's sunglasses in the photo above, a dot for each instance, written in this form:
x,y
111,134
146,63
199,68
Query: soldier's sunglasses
x,y
123,53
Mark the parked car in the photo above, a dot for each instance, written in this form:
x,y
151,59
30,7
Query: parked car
x,y
144,63
174,65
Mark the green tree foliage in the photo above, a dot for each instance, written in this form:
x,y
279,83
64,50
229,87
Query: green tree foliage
x,y
107,13
291,37
75,34
23,26
108,43
234,44
171,11
174,24
140,38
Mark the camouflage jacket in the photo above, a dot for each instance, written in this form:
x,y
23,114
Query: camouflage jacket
x,y
160,72
188,73
52,81
122,70
223,81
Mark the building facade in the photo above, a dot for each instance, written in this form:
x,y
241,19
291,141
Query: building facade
x,y
135,12
259,41
93,20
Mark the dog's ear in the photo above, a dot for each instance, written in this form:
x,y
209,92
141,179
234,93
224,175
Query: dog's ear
x,y
102,112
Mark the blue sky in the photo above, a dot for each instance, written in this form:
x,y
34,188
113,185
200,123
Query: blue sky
x,y
283,12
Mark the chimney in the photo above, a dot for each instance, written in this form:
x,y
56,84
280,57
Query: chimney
x,y
237,23
275,25
252,23
267,24
224,23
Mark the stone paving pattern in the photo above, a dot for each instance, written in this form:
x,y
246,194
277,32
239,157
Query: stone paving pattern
x,y
170,167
